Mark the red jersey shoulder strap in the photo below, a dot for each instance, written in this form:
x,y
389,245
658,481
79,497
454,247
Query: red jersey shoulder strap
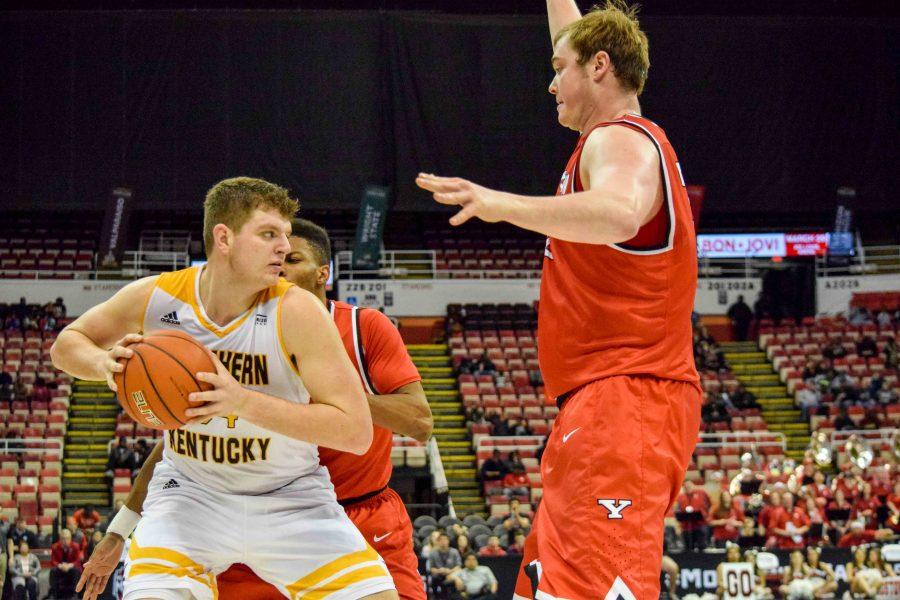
x,y
359,350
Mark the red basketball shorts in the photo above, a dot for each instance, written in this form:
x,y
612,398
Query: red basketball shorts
x,y
384,523
614,463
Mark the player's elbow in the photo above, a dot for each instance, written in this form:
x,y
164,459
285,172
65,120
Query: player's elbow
x,y
625,227
423,426
58,350
360,439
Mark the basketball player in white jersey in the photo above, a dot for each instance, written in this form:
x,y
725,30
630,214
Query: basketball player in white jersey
x,y
241,481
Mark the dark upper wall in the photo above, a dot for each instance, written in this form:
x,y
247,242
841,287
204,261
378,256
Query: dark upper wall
x,y
771,113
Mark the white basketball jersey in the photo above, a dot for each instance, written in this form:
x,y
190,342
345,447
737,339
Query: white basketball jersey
x,y
230,454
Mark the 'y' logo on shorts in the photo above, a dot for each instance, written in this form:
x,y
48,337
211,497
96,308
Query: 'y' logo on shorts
x,y
614,507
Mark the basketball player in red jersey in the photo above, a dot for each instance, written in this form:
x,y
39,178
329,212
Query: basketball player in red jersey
x,y
394,389
398,404
614,338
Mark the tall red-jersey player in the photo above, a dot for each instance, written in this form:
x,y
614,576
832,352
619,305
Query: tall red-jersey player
x,y
398,403
614,331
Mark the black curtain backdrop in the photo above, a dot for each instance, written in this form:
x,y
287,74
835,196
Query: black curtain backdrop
x,y
772,114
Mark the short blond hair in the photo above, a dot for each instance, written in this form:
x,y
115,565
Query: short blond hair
x,y
614,29
232,202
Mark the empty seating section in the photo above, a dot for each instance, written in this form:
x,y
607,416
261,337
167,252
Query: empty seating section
x,y
876,301
30,246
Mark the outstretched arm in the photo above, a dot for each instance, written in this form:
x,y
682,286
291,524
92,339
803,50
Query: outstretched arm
x,y
621,173
559,14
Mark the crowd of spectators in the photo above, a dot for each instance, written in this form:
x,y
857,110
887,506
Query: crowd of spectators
x,y
452,551
501,426
68,551
789,508
33,317
123,455
824,386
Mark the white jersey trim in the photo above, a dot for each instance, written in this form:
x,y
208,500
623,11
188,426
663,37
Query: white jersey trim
x,y
670,199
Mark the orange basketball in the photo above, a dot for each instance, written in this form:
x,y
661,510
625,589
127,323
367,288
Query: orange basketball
x,y
157,379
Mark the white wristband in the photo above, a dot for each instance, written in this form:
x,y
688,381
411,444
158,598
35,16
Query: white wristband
x,y
124,522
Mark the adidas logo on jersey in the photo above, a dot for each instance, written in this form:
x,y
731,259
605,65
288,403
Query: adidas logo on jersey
x,y
171,318
261,319
171,484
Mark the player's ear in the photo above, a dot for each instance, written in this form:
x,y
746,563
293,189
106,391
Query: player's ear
x,y
222,238
600,64
322,274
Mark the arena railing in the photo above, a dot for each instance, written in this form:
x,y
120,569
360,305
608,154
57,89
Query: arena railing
x,y
742,439
423,264
32,446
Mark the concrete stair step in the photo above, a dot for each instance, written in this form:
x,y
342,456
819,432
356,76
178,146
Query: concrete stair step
x,y
465,445
416,350
744,355
767,392
442,395
76,465
427,360
436,371
446,452
751,368
456,420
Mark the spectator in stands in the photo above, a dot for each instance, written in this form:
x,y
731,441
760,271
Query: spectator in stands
x,y
516,519
65,560
7,389
693,500
514,461
431,544
40,392
866,347
808,400
21,309
96,538
4,557
843,420
83,522
874,560
820,574
466,366
141,451
463,545
834,350
485,366
791,526
19,534
492,548
519,427
817,522
24,568
883,318
741,315
59,309
866,507
494,468
475,582
539,453
893,505
744,399
442,562
859,315
891,354
516,482
859,535
725,520
518,546
120,457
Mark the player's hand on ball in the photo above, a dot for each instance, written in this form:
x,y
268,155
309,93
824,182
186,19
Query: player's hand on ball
x,y
475,200
101,565
226,398
119,350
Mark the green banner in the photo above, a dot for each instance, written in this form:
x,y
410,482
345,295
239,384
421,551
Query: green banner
x,y
370,228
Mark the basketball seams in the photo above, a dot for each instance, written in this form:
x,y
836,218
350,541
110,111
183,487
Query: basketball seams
x,y
153,385
178,362
125,396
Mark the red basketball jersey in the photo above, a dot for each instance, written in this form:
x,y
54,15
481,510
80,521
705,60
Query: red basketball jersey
x,y
621,309
380,357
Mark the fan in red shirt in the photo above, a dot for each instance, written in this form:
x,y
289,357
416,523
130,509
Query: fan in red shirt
x,y
492,548
866,507
615,340
790,525
398,403
770,514
65,562
725,520
695,500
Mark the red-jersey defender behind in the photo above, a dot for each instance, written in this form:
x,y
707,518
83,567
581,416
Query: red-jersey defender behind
x,y
394,389
614,331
